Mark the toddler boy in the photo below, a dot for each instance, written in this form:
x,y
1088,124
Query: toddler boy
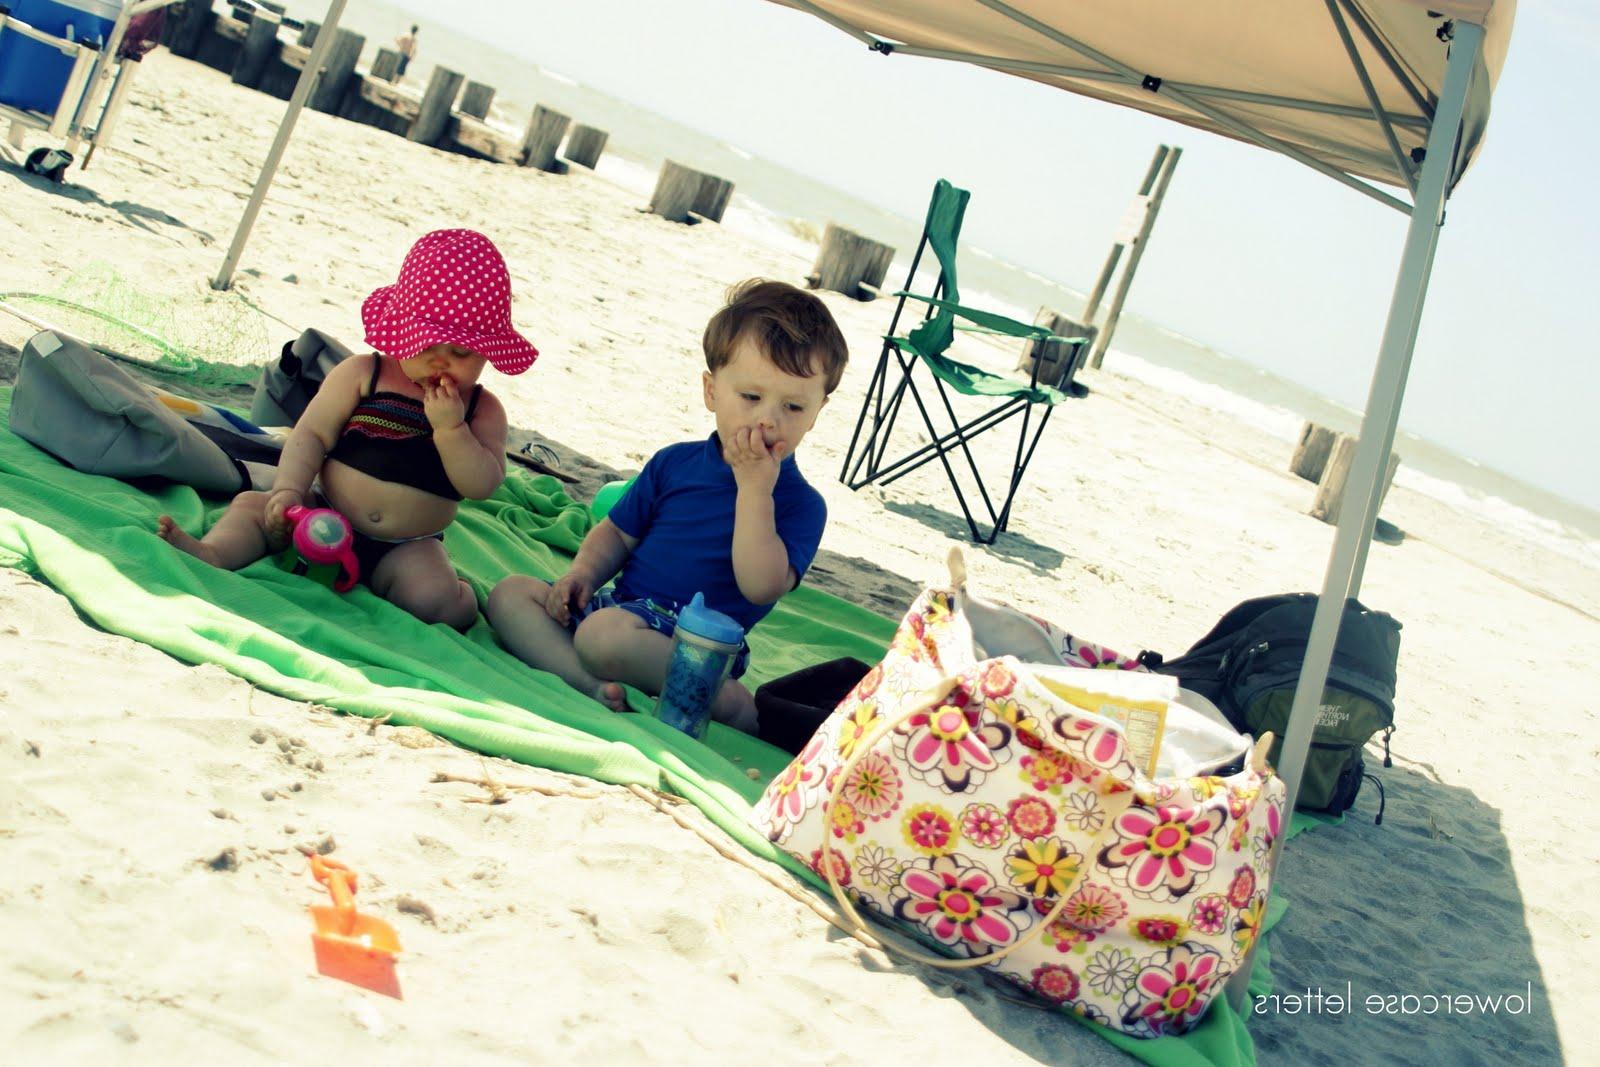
x,y
730,516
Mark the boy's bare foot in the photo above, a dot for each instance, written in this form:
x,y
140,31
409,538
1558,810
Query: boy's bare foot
x,y
174,535
611,695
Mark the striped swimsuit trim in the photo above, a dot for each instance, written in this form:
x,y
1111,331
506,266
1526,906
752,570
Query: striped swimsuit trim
x,y
387,417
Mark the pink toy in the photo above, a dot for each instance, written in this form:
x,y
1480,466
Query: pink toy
x,y
324,540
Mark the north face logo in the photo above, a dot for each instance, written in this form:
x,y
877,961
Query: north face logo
x,y
1332,715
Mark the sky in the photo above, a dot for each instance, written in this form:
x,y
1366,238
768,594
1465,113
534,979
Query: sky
x,y
1252,254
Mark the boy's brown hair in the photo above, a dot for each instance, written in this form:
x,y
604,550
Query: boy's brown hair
x,y
794,329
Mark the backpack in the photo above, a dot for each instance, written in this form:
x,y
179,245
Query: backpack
x,y
288,383
1248,666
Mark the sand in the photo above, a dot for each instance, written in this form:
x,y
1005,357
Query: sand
x,y
153,814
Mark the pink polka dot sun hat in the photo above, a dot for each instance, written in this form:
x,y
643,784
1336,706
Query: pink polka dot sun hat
x,y
454,289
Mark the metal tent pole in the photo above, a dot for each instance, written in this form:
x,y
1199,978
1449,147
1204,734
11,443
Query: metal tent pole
x,y
1343,578
302,89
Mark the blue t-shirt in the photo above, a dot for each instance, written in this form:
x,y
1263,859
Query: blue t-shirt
x,y
681,507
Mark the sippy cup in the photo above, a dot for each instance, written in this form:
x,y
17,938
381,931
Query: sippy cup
x,y
703,649
323,539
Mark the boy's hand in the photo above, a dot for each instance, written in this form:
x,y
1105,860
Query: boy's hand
x,y
280,501
571,592
442,403
755,466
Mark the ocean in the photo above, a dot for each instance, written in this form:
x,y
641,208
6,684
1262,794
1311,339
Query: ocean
x,y
781,207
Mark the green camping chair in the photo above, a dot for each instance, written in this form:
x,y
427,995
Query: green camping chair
x,y
865,461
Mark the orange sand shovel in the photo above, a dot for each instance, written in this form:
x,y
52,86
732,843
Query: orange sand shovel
x,y
352,947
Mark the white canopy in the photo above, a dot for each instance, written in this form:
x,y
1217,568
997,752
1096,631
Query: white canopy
x,y
1306,78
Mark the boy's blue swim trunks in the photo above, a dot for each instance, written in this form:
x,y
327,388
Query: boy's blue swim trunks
x,y
660,615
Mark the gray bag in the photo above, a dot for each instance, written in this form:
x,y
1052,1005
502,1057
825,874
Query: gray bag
x,y
82,408
287,385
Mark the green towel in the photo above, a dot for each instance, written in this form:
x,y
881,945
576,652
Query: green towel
x,y
93,538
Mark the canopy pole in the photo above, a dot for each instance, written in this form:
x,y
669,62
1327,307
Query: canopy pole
x,y
1401,161
1237,126
1359,505
302,89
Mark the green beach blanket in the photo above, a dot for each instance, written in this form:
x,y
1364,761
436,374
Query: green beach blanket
x,y
92,538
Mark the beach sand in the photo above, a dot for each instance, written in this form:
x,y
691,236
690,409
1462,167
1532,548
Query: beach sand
x,y
153,814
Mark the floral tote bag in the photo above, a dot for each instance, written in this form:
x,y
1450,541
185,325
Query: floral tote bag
x,y
966,792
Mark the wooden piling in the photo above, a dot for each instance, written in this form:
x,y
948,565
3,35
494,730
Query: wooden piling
x,y
846,259
188,26
1058,360
260,47
218,45
1311,454
437,102
386,65
375,102
1145,214
713,200
337,71
308,33
539,144
685,195
476,98
1330,491
584,145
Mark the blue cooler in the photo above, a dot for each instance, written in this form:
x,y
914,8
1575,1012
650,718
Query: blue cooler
x,y
34,75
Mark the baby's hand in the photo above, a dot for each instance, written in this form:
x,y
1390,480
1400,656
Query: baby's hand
x,y
571,592
442,403
280,501
755,466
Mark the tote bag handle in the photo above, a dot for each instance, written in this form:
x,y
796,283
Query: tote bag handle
x,y
859,927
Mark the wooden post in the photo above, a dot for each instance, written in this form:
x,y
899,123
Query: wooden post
x,y
386,65
443,86
190,27
1110,266
685,195
584,145
337,70
1330,491
308,33
260,46
846,259
713,200
1168,164
539,144
1059,360
1311,454
476,98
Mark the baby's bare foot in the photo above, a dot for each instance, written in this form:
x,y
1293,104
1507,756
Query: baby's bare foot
x,y
611,695
174,535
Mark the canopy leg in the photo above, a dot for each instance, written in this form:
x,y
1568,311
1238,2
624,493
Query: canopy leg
x,y
1359,506
291,114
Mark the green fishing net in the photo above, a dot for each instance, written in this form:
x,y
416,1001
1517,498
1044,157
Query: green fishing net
x,y
210,337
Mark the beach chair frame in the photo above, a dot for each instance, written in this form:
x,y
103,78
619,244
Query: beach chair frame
x,y
98,76
866,459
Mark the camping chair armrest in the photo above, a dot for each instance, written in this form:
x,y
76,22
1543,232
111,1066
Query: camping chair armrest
x,y
995,323
1049,337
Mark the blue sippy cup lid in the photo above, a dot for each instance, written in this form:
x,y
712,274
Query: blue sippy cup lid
x,y
708,622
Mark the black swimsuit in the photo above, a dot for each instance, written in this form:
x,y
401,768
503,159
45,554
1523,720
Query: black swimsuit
x,y
389,437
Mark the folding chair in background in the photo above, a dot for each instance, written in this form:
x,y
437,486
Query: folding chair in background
x,y
866,460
